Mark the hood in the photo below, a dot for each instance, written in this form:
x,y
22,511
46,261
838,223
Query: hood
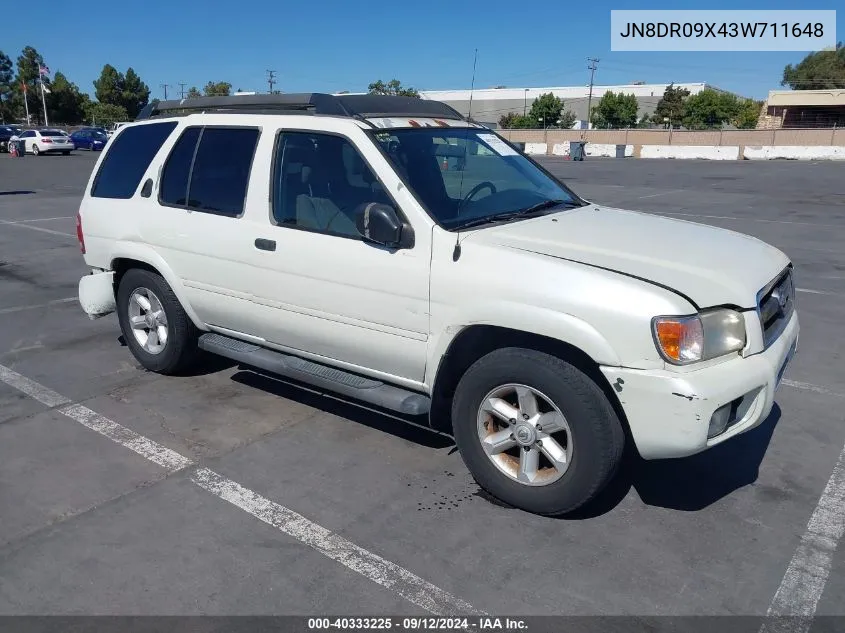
x,y
709,265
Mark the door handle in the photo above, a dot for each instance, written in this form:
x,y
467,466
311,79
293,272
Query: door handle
x,y
265,245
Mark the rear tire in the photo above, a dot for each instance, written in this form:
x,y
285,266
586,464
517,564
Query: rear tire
x,y
35,151
66,153
590,434
176,332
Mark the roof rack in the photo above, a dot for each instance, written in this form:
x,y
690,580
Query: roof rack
x,y
354,106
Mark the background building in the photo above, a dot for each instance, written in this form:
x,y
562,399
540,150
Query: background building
x,y
491,103
802,109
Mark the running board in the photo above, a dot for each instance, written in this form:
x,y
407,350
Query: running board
x,y
317,375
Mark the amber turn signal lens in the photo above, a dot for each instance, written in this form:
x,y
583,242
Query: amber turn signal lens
x,y
681,340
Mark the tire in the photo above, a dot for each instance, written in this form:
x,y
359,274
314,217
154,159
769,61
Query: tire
x,y
179,350
66,153
35,151
593,438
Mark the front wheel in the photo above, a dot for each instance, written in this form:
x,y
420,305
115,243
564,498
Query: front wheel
x,y
156,328
535,431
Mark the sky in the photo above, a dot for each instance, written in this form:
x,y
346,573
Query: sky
x,y
334,45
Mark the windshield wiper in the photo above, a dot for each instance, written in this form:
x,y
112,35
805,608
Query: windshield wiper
x,y
520,213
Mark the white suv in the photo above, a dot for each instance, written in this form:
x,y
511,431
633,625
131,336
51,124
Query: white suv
x,y
385,249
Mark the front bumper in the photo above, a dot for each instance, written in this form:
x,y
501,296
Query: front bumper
x,y
669,412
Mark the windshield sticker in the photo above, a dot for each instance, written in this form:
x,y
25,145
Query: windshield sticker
x,y
498,145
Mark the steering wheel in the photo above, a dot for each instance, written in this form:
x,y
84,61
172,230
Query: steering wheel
x,y
482,185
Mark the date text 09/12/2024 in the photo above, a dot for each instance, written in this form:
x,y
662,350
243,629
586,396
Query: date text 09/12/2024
x,y
481,623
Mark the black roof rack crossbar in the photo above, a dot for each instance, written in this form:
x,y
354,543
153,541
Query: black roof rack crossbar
x,y
355,106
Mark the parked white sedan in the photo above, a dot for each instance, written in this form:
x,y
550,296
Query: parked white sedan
x,y
46,141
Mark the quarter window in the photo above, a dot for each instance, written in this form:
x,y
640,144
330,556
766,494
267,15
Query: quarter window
x,y
127,160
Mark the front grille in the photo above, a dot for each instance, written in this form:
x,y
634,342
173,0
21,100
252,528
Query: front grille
x,y
775,305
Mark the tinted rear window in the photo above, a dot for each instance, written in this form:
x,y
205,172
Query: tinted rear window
x,y
221,170
51,133
174,178
127,160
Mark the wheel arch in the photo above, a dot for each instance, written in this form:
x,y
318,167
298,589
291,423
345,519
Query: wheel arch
x,y
475,341
147,259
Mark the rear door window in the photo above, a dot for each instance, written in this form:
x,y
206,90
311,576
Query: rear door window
x,y
221,168
174,178
128,158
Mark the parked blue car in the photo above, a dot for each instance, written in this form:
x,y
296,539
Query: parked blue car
x,y
89,138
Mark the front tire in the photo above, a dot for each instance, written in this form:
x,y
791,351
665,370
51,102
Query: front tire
x,y
535,431
156,328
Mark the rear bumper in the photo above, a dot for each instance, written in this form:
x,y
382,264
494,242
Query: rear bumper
x,y
669,413
96,294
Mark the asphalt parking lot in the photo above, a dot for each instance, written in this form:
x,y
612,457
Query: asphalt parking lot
x,y
286,502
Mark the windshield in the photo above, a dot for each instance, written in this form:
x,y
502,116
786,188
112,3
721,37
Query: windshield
x,y
464,175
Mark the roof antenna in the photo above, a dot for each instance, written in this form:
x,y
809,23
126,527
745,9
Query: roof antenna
x,y
456,254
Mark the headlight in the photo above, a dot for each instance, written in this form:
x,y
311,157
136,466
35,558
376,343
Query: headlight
x,y
688,339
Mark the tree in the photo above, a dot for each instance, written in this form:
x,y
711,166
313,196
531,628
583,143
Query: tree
x,y
671,106
65,103
710,109
193,93
748,111
821,70
515,121
104,114
392,87
6,81
615,111
220,89
29,63
127,91
547,112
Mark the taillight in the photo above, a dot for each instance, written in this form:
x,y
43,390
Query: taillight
x,y
79,234
46,140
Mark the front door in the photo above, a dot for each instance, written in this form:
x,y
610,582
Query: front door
x,y
334,294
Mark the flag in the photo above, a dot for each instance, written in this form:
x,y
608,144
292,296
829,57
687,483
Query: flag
x,y
43,70
45,88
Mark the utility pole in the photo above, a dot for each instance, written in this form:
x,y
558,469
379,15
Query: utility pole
x,y
592,68
165,86
271,79
182,85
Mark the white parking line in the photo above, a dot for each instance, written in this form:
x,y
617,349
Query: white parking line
x,y
37,228
62,217
817,292
372,566
390,575
743,219
36,306
803,583
662,193
806,386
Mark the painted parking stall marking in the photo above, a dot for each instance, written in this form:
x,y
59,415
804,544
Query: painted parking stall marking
x,y
372,566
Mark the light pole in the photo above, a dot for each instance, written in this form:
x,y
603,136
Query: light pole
x,y
525,103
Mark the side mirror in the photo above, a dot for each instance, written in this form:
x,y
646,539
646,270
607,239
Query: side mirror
x,y
380,224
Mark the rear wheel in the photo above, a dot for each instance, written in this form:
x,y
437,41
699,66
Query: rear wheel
x,y
66,153
535,431
156,328
35,150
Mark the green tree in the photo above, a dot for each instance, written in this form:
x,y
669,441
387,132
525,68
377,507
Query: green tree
x,y
6,87
193,93
822,70
219,89
671,106
127,91
615,111
65,103
547,112
748,111
104,114
392,87
710,109
506,120
28,64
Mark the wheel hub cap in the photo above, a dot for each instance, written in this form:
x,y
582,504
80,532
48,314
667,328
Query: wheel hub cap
x,y
525,435
148,320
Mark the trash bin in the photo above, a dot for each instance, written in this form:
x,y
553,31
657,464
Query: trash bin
x,y
576,150
620,151
520,147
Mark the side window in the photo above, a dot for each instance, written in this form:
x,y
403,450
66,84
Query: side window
x,y
28,134
220,176
319,181
128,158
173,189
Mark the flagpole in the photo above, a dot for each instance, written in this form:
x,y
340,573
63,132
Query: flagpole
x,y
26,103
43,101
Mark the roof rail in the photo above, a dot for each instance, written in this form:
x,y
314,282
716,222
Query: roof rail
x,y
355,106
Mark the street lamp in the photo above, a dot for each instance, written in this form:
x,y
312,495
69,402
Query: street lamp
x,y
525,103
